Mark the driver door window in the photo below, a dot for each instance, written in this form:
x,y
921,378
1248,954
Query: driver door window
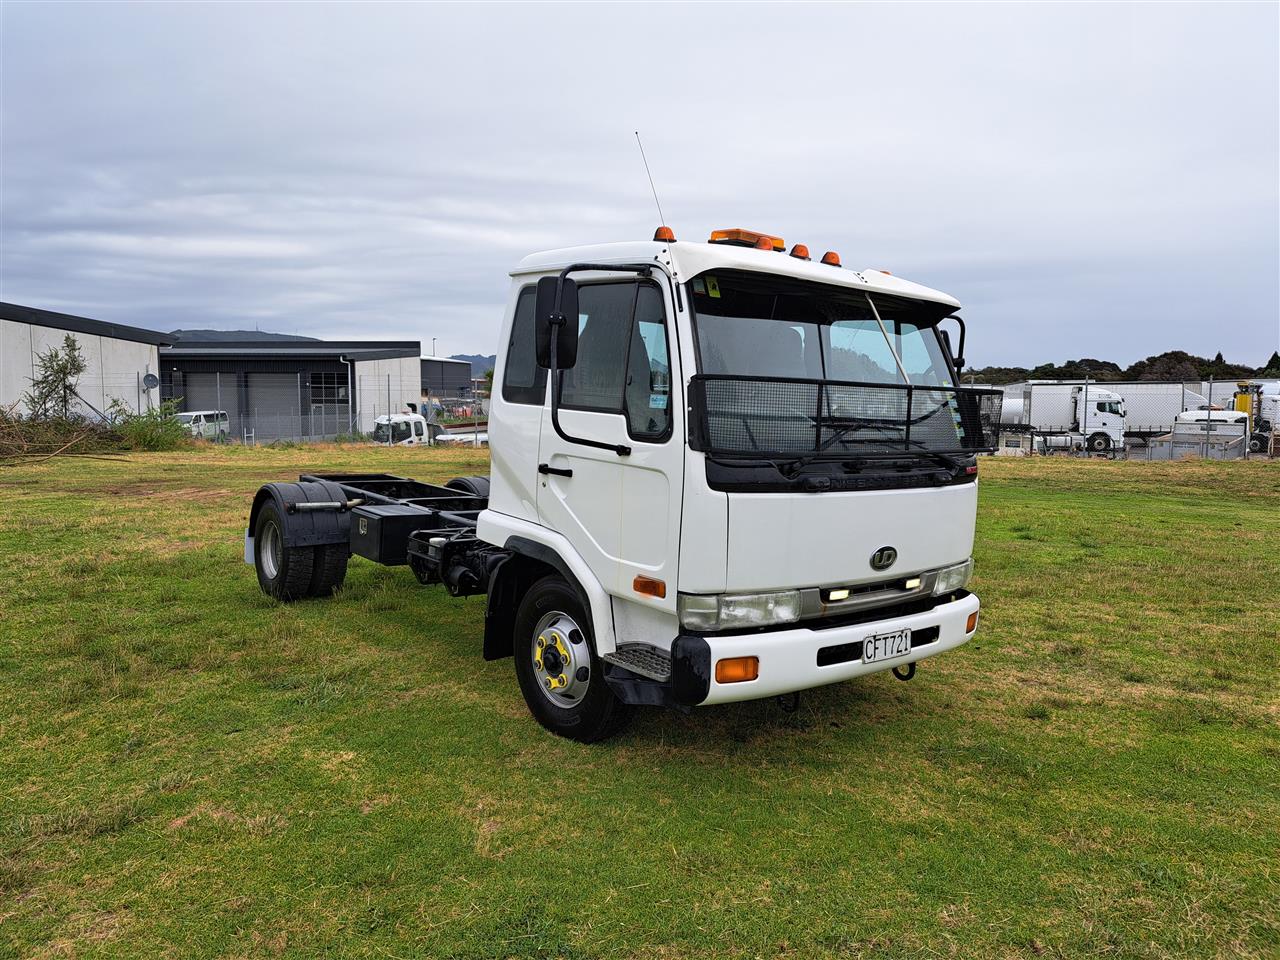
x,y
624,364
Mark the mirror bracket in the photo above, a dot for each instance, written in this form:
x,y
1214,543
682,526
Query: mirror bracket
x,y
957,358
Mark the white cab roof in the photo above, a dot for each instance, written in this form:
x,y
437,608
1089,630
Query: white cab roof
x,y
688,258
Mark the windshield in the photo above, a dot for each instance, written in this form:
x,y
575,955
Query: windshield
x,y
801,371
184,417
753,325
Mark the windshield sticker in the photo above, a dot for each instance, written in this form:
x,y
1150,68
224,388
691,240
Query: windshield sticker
x,y
713,287
699,286
657,401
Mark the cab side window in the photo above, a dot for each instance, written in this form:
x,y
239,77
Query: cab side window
x,y
523,381
595,382
624,365
649,369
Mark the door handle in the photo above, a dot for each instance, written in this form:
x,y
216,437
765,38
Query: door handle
x,y
545,468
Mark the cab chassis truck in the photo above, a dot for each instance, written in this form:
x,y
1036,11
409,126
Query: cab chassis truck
x,y
720,471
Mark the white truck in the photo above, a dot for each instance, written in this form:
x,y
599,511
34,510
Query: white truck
x,y
1063,416
720,472
404,430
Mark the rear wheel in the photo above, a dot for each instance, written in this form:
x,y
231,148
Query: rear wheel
x,y
329,569
284,572
560,676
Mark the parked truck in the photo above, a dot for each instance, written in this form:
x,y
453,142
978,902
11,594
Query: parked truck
x,y
1047,409
719,471
1064,416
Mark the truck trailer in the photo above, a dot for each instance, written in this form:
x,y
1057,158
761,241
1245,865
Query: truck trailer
x,y
720,471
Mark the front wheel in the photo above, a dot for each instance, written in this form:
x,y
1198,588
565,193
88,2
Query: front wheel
x,y
560,676
1099,443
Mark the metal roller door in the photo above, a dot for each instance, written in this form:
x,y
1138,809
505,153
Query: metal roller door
x,y
274,408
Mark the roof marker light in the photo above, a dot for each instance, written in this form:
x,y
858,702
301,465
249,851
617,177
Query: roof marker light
x,y
664,235
831,258
747,238
800,251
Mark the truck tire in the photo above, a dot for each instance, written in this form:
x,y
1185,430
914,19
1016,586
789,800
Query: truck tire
x,y
284,572
1099,443
476,486
556,664
328,569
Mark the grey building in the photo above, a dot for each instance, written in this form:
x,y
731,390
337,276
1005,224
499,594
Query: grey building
x,y
304,389
117,358
446,377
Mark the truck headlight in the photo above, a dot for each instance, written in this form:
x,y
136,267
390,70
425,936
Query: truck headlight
x,y
728,611
951,579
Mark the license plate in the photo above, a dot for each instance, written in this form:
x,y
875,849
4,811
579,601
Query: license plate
x,y
886,646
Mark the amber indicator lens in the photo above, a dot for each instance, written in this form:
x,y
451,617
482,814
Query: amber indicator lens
x,y
737,669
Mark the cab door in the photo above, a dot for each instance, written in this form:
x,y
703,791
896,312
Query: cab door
x,y
620,512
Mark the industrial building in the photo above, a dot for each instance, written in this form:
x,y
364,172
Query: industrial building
x,y
118,358
444,377
297,389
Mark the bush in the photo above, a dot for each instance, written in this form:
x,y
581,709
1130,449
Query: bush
x,y
157,429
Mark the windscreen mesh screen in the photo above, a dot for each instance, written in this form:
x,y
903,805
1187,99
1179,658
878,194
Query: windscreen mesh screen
x,y
744,416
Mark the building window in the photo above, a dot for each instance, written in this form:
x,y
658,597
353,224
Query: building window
x,y
328,388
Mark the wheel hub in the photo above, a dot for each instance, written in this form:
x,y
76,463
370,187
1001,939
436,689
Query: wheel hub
x,y
561,660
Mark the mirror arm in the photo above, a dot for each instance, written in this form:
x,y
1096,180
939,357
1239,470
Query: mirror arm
x,y
558,319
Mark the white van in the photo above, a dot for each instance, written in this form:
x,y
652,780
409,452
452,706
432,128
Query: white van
x,y
207,424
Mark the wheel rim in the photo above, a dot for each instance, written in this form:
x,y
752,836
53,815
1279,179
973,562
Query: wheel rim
x,y
270,550
561,660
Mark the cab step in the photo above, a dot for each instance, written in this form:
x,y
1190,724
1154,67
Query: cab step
x,y
643,659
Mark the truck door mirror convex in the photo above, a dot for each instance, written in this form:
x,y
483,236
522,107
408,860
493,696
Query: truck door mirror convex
x,y
556,314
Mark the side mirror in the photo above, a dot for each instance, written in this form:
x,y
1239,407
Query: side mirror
x,y
561,323
957,358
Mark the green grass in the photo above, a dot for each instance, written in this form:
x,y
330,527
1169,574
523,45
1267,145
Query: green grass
x,y
188,770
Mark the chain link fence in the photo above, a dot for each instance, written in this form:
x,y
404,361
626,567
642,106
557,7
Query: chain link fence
x,y
1119,419
256,408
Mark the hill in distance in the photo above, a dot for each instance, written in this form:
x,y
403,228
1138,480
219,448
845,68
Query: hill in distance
x,y
480,364
1169,366
208,335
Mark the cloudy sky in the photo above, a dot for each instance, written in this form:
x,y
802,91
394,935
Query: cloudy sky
x,y
1090,180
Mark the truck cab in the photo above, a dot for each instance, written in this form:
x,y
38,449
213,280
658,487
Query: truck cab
x,y
403,430
720,471
1100,418
760,470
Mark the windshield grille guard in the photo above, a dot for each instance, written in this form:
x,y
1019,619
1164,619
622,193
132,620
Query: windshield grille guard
x,y
782,417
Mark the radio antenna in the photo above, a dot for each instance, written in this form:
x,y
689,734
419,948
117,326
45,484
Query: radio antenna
x,y
656,202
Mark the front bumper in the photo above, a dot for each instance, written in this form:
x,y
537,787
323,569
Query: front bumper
x,y
789,658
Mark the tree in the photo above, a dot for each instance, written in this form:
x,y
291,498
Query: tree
x,y
53,389
1272,370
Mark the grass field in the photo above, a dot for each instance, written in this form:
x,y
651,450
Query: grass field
x,y
187,770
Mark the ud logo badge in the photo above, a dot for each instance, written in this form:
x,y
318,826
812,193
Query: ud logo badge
x,y
883,558
364,528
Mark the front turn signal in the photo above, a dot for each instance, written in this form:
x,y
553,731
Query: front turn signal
x,y
737,669
972,625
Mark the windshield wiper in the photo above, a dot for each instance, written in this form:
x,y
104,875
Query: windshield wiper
x,y
793,467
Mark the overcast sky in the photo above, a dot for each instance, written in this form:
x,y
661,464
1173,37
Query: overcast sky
x,y
1089,180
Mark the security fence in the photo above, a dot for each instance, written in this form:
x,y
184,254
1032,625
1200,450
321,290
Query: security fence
x,y
256,408
1115,418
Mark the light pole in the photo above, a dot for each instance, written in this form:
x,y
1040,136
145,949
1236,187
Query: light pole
x,y
433,346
